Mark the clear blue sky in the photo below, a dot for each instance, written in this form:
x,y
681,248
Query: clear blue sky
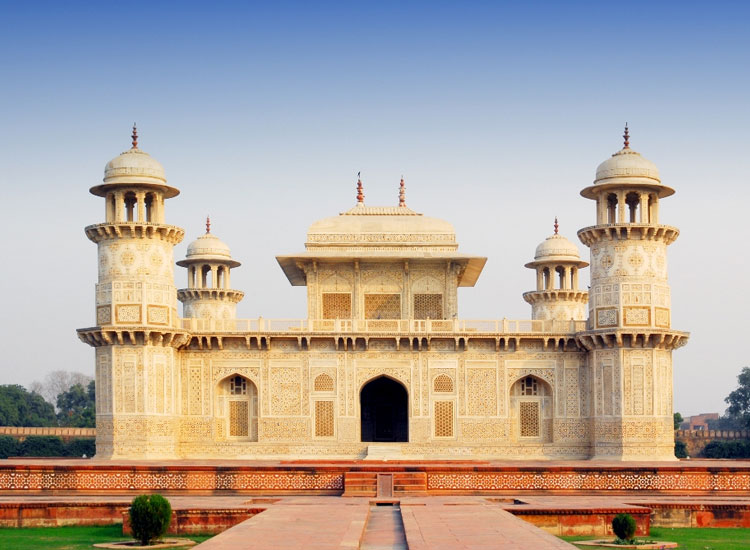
x,y
496,113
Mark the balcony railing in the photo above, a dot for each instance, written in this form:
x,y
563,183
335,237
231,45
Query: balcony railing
x,y
406,326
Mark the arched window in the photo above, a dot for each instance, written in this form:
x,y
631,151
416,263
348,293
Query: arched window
x,y
130,203
323,382
633,200
612,208
531,399
443,384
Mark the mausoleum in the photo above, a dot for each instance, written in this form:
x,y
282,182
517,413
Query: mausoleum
x,y
383,364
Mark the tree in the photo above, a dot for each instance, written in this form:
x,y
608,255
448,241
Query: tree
x,y
678,420
57,382
77,406
19,407
739,399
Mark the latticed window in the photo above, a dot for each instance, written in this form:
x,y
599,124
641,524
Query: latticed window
x,y
323,382
237,386
528,412
324,418
428,306
443,418
239,418
443,383
529,386
337,305
382,306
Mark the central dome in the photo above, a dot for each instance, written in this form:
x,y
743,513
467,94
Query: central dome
x,y
627,163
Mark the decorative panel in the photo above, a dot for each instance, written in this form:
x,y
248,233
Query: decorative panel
x,y
382,306
337,305
443,383
481,391
428,306
529,417
239,414
443,418
324,418
323,382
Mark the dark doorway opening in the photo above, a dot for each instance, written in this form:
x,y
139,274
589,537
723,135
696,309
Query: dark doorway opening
x,y
384,406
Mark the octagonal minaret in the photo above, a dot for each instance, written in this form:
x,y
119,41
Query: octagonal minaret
x,y
557,296
137,327
208,294
629,333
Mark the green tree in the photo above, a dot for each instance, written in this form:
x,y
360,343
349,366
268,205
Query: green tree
x,y
19,407
739,399
77,406
678,420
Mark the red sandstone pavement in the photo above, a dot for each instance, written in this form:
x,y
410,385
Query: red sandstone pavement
x,y
318,523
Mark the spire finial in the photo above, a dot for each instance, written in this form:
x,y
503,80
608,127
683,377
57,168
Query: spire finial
x,y
360,191
626,135
134,135
557,225
402,193
208,225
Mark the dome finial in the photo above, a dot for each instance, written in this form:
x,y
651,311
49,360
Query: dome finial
x,y
134,135
402,193
208,225
557,225
626,136
360,193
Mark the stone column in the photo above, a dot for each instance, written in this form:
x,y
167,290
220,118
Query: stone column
x,y
119,206
644,208
539,278
621,206
214,276
140,200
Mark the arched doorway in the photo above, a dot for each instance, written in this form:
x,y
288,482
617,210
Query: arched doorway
x,y
384,411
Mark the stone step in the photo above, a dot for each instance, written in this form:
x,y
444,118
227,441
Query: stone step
x,y
383,452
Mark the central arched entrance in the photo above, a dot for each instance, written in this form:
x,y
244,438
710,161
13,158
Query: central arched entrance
x,y
384,409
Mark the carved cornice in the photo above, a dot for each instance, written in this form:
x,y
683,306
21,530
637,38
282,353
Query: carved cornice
x,y
628,231
137,336
537,296
632,338
218,294
134,230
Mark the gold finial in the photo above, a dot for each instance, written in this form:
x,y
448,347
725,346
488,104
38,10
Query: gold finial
x,y
557,225
402,193
134,135
626,135
360,191
208,225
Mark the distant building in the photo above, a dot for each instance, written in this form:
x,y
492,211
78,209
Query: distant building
x,y
699,421
382,363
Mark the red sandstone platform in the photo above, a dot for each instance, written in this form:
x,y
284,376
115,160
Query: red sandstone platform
x,y
360,478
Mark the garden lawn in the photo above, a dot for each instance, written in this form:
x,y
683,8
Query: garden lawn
x,y
67,538
697,538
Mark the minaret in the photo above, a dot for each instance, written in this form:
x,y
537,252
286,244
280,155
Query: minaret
x,y
557,296
137,327
629,335
208,294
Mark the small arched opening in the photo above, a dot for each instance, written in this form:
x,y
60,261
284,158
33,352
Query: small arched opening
x,y
239,405
148,203
130,204
633,200
531,402
384,411
611,208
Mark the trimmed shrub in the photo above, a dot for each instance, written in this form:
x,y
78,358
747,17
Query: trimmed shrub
x,y
149,517
680,449
624,526
80,447
8,446
42,445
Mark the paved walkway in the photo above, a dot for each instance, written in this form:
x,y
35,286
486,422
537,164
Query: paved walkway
x,y
318,523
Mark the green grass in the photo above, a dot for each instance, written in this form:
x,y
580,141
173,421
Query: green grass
x,y
67,538
697,538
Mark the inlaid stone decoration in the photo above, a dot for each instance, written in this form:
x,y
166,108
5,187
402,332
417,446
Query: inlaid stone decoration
x,y
588,375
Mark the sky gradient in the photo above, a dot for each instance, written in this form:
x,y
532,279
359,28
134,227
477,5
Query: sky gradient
x,y
497,115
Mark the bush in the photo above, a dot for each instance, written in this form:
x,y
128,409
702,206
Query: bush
x,y
80,447
42,445
624,526
8,446
680,449
149,517
727,449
